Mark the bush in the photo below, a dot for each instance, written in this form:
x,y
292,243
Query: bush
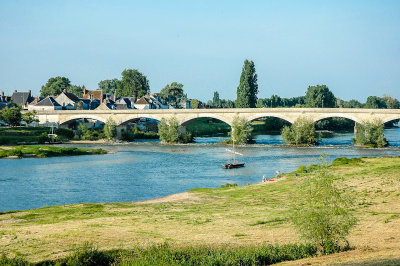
x,y
4,261
241,131
170,132
88,256
322,213
344,160
301,132
110,129
253,255
370,134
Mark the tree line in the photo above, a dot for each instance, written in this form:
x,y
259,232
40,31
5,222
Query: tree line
x,y
135,84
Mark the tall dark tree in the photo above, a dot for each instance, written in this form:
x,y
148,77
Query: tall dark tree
x,y
248,87
110,85
216,100
77,90
55,86
173,93
134,83
374,102
320,96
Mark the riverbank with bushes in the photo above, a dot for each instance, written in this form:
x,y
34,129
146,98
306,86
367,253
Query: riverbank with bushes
x,y
257,215
16,135
45,151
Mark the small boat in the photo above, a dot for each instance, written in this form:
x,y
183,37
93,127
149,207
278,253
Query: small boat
x,y
235,164
232,165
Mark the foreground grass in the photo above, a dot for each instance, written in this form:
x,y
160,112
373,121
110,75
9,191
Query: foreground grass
x,y
46,151
242,217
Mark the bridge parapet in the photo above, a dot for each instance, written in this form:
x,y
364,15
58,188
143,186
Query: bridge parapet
x,y
226,115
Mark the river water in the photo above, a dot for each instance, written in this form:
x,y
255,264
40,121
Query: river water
x,y
148,169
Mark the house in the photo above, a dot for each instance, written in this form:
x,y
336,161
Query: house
x,y
93,95
151,101
22,98
107,104
145,102
4,98
68,100
47,104
124,103
159,103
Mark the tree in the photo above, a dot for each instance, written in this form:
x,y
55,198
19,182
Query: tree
x,y
195,103
321,212
301,132
110,85
370,134
248,87
110,129
351,104
320,96
55,86
374,102
77,90
29,117
216,101
391,103
241,131
11,115
169,131
172,93
134,83
81,130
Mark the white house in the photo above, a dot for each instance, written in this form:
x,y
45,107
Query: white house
x,y
48,103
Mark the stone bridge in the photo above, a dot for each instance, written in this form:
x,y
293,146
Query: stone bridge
x,y
121,117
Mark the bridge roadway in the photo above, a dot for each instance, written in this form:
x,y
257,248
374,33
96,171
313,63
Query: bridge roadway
x,y
226,115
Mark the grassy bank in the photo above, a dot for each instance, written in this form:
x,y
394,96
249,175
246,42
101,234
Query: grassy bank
x,y
15,135
45,151
228,217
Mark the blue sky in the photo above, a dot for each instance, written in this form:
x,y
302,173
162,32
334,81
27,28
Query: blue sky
x,y
351,46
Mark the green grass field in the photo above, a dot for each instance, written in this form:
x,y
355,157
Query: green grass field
x,y
213,219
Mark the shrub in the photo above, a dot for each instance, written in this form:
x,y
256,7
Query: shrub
x,y
170,132
88,256
13,261
301,132
110,129
370,134
321,212
241,131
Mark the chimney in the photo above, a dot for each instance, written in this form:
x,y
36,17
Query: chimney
x,y
84,91
101,100
65,90
36,99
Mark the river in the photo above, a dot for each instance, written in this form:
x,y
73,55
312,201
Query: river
x,y
147,169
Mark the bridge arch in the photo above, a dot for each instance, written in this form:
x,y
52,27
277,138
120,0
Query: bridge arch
x,y
83,116
390,118
189,118
347,116
138,116
257,116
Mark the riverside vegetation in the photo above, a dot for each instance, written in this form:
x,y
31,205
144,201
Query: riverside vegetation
x,y
259,217
45,151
